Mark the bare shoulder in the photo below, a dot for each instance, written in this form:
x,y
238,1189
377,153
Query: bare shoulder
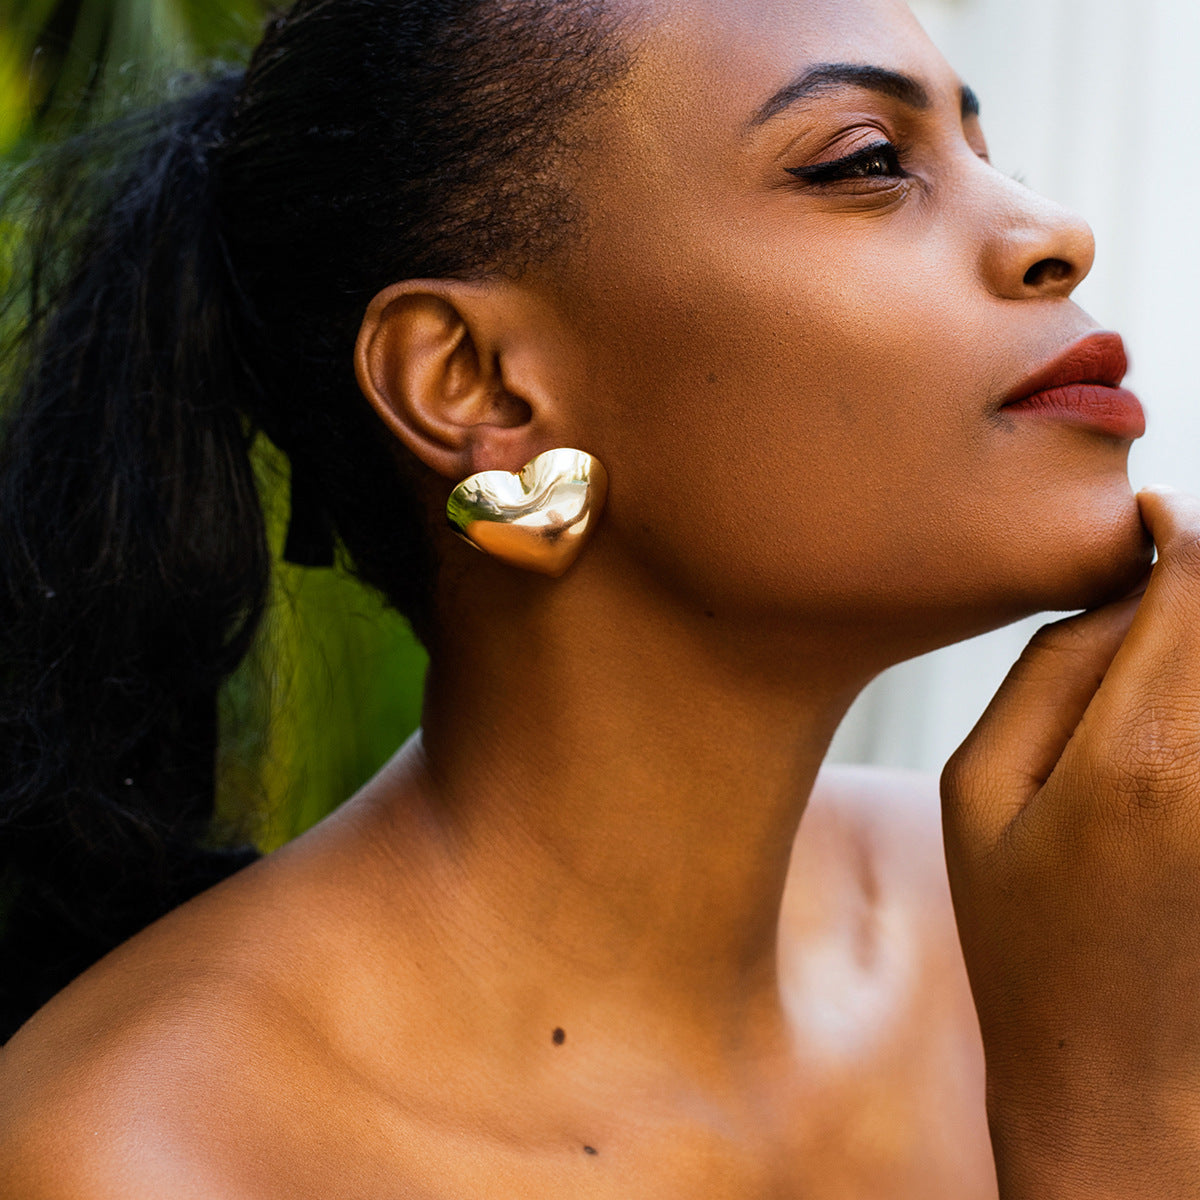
x,y
92,1090
109,1090
869,853
888,816
168,1066
871,964
213,1087
868,920
884,795
221,1053
871,843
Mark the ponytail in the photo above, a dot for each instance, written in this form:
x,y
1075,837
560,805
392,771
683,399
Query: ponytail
x,y
212,281
133,556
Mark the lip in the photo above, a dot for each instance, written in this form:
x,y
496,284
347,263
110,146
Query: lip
x,y
1083,386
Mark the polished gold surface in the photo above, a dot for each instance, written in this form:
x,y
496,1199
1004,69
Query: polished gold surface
x,y
537,519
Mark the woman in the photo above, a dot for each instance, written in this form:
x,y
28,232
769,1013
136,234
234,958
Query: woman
x,y
753,259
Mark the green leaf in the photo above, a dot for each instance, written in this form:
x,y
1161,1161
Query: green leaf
x,y
335,682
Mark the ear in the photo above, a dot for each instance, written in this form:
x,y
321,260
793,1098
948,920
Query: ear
x,y
443,363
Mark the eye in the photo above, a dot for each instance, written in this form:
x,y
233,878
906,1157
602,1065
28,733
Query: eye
x,y
879,161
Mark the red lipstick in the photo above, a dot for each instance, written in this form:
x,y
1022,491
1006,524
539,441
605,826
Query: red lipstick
x,y
1083,386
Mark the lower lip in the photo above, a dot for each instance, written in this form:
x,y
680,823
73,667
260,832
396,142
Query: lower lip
x,y
1116,412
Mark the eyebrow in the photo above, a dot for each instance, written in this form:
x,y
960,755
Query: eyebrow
x,y
831,77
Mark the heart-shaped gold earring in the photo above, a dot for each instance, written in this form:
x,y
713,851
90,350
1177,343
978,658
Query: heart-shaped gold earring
x,y
538,518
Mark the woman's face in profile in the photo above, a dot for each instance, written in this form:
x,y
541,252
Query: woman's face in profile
x,y
802,299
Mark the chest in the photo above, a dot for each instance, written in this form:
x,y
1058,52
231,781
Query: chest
x,y
879,1130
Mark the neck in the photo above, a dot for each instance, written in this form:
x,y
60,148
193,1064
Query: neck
x,y
617,800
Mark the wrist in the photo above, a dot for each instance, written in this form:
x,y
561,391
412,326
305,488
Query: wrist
x,y
1125,1143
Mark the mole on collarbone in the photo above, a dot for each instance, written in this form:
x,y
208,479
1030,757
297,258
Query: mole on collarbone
x,y
590,1150
558,1037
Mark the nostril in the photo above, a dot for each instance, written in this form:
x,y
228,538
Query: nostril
x,y
1048,272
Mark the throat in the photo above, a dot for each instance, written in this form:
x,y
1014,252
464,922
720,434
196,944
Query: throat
x,y
618,853
605,795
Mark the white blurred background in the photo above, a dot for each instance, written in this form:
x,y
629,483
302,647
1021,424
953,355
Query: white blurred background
x,y
1095,103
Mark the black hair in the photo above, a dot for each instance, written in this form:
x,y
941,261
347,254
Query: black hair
x,y
189,277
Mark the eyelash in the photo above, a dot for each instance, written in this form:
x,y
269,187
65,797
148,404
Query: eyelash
x,y
854,166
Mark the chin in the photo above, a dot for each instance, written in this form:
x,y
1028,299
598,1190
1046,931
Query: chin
x,y
1100,560
1080,551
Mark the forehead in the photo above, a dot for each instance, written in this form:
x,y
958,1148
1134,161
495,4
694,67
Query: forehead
x,y
720,60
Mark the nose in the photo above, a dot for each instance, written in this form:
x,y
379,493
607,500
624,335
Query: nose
x,y
1035,249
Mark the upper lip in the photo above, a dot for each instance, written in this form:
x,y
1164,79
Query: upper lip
x,y
1098,358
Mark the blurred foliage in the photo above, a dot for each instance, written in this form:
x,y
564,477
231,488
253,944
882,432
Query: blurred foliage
x,y
65,61
334,684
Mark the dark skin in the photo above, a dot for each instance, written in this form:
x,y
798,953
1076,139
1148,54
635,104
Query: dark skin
x,y
295,1033
794,387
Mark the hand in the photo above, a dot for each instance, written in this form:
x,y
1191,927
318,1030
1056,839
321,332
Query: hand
x,y
1072,820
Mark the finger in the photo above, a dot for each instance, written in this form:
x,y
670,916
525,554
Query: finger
x,y
1020,739
1167,513
1145,718
1160,658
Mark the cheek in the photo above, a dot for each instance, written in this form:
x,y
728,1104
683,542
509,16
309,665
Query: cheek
x,y
771,408
810,431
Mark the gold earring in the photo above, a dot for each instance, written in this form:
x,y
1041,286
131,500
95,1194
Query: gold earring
x,y
537,518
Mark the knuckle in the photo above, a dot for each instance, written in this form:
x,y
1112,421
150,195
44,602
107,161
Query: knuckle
x,y
1153,760
956,776
971,782
964,774
1046,637
1067,634
1180,555
1070,638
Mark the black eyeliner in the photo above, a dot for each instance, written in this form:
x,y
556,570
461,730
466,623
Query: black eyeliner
x,y
835,172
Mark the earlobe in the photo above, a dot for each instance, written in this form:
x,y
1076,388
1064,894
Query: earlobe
x,y
424,361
